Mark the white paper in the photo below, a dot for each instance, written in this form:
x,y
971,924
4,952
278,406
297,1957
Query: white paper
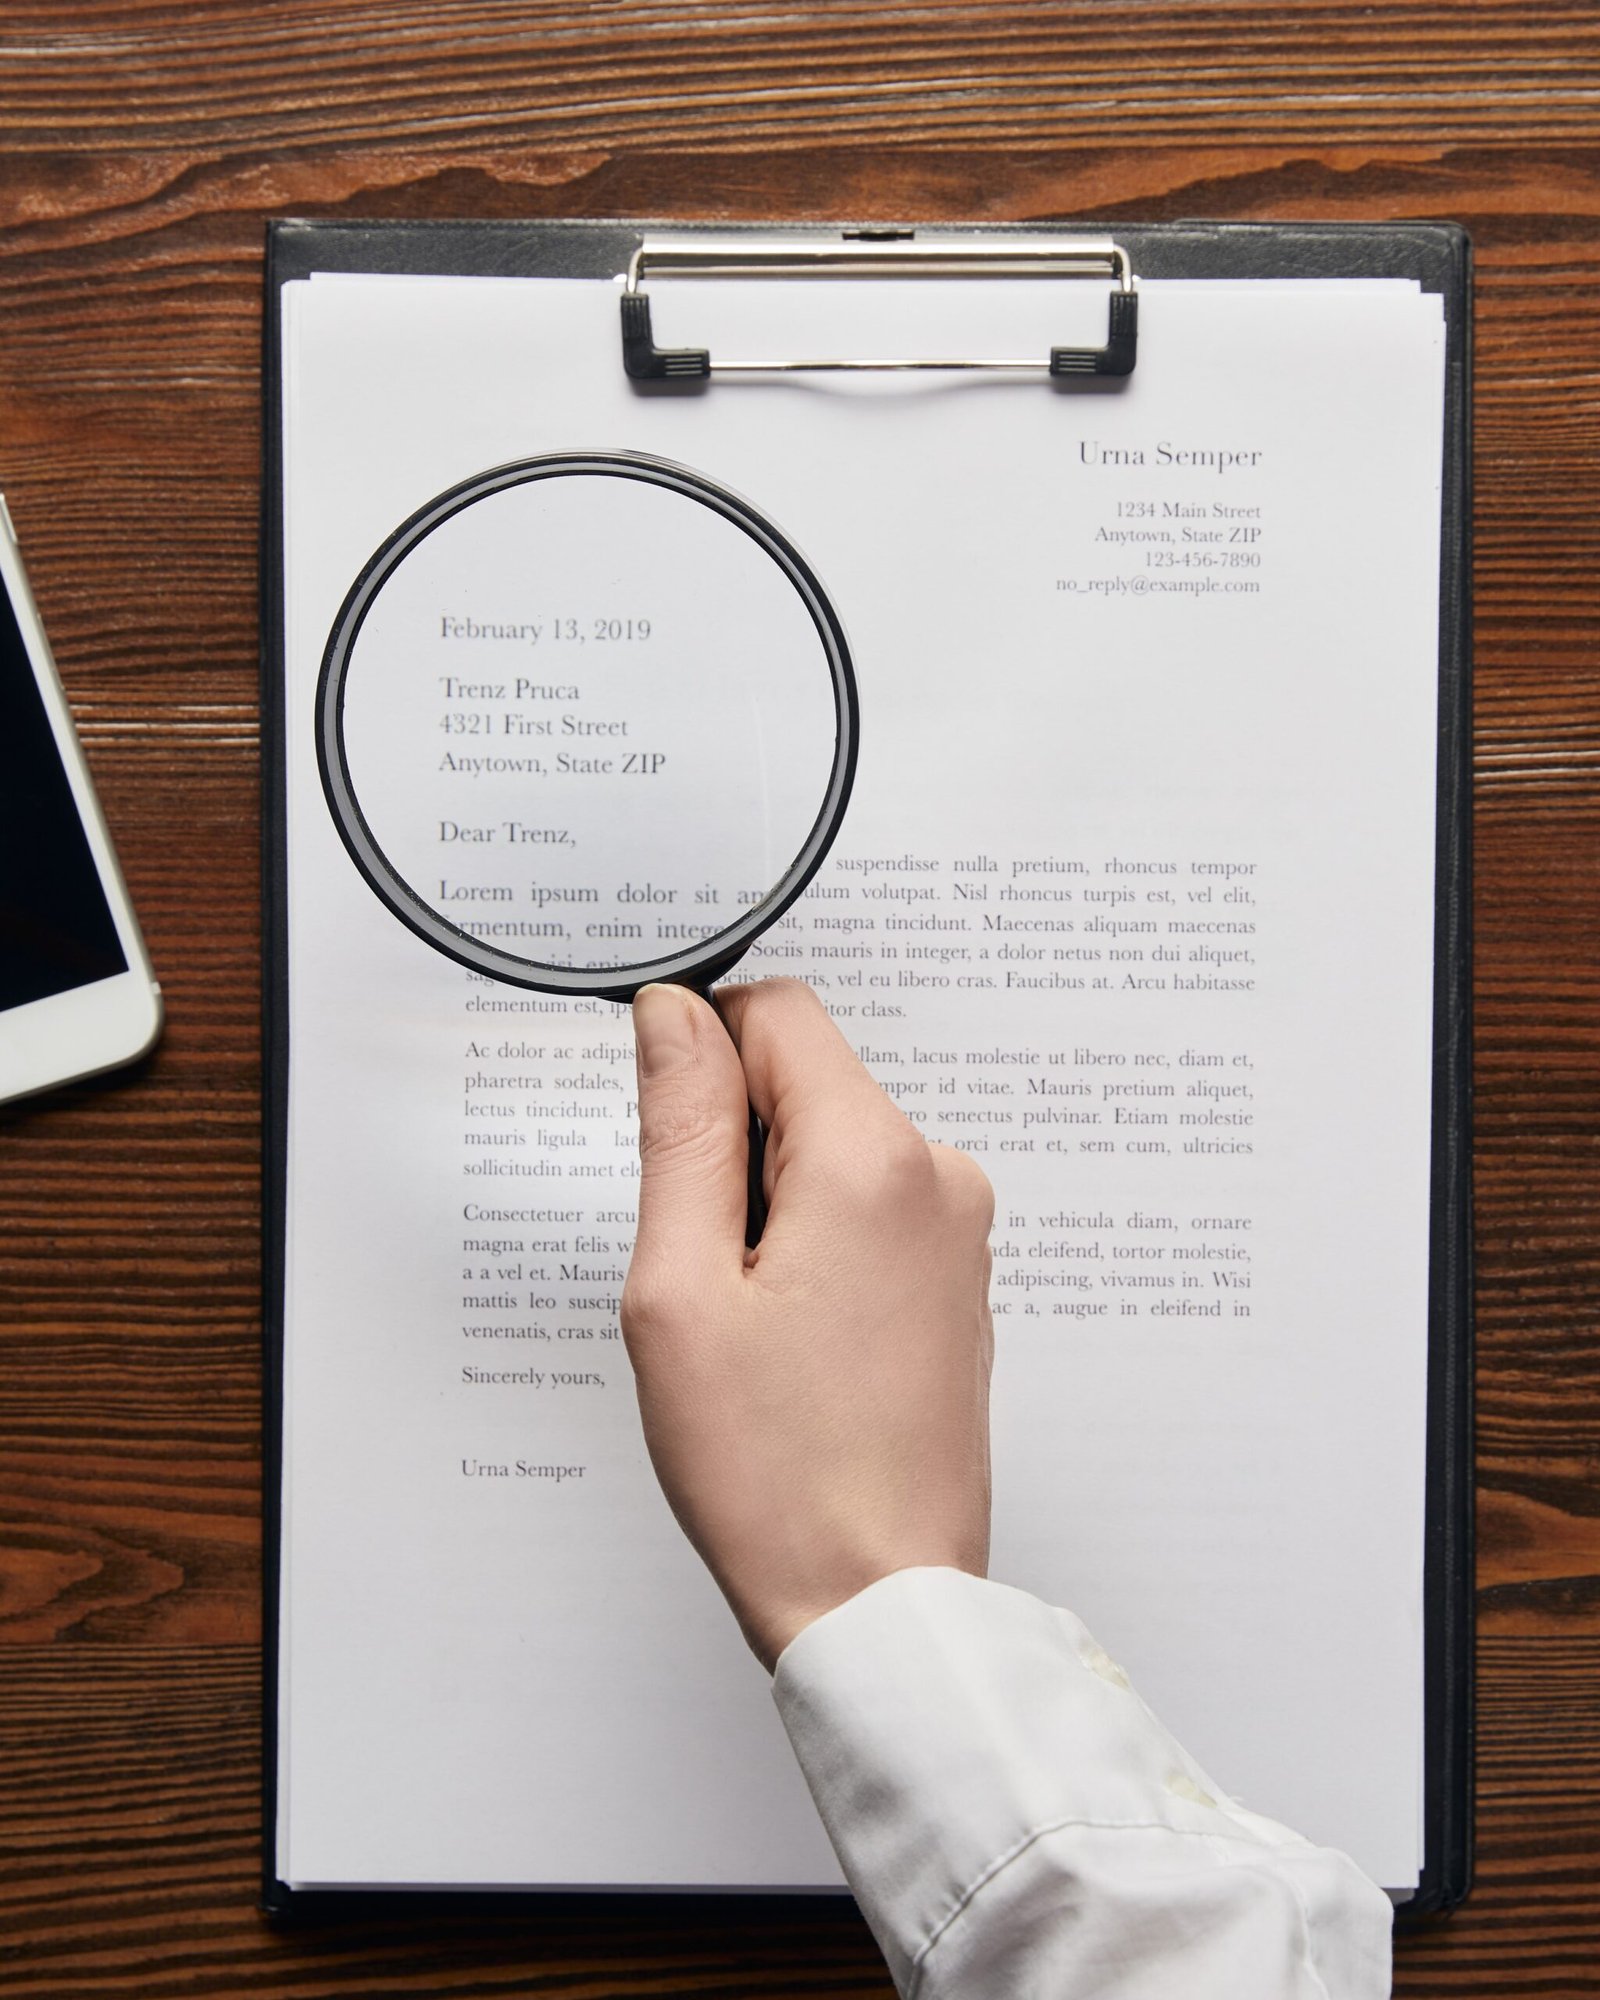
x,y
1176,641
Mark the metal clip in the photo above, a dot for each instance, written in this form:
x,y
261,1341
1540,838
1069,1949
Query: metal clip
x,y
878,254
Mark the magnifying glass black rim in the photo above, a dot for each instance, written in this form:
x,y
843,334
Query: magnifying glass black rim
x,y
707,958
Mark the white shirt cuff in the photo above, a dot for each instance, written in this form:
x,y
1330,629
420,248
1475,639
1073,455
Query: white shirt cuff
x,y
1006,1809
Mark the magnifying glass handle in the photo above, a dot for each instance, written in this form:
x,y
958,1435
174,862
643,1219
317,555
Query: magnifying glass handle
x,y
756,1197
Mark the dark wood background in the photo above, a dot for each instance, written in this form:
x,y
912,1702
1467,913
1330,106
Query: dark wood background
x,y
141,147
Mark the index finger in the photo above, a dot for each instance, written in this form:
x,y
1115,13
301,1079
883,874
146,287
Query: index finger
x,y
821,1106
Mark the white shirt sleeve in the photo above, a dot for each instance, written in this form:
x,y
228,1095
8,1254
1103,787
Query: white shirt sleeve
x,y
1017,1825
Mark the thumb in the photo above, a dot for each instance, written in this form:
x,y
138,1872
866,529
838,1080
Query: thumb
x,y
693,1138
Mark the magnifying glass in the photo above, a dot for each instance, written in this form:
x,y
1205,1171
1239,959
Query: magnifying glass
x,y
588,721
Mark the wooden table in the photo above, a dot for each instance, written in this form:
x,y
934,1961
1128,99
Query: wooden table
x,y
143,143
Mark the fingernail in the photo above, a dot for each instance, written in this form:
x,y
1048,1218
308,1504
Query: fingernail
x,y
663,1028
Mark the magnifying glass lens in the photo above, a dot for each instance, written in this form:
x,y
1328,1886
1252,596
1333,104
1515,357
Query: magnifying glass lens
x,y
586,722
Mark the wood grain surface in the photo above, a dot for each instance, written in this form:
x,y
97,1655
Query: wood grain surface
x,y
142,145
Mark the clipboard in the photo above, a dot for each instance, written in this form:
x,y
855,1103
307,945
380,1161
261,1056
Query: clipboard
x,y
1435,255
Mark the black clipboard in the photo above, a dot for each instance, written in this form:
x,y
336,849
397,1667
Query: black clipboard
x,y
1438,257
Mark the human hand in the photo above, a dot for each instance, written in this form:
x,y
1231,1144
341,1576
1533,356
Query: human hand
x,y
816,1409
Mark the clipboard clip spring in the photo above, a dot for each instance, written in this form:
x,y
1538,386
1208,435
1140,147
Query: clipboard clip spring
x,y
879,254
